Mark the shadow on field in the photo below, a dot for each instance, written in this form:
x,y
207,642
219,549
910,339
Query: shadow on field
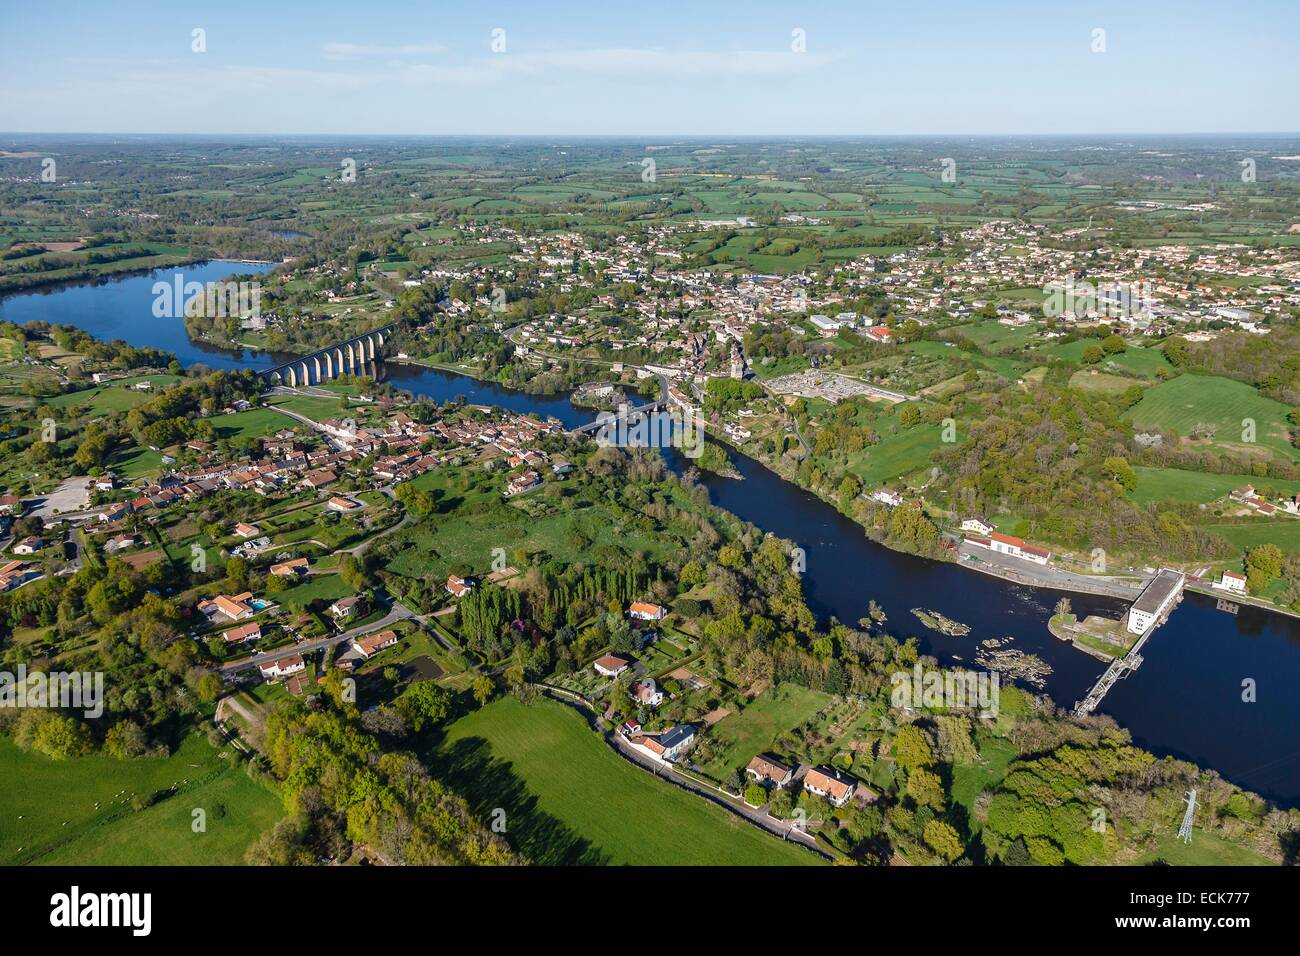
x,y
487,782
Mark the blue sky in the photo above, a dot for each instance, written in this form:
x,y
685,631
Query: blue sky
x,y
661,68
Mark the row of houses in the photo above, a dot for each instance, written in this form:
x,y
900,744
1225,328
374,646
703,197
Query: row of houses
x,y
982,535
1247,496
824,782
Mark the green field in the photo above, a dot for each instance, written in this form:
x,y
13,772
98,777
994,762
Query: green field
x,y
326,587
52,817
580,530
117,397
1176,484
1206,849
569,799
254,423
1181,403
1281,530
969,781
897,455
756,729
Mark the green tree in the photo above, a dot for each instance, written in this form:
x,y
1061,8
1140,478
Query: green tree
x,y
942,839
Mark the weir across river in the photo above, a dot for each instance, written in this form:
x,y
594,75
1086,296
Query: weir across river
x,y
1149,611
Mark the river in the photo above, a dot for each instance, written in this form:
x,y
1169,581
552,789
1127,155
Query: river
x,y
1185,700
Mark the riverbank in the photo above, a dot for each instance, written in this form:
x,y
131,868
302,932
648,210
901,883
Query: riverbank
x,y
1231,598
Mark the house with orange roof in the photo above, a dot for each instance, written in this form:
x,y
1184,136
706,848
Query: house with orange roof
x,y
644,611
830,784
371,644
251,631
236,608
611,665
291,568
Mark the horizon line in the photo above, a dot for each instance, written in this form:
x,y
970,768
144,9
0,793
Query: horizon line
x,y
665,136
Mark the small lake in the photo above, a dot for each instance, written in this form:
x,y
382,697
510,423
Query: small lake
x,y
1185,700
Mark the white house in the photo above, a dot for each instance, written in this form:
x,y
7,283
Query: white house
x,y
1231,581
829,784
29,546
667,746
765,770
1017,548
611,665
345,607
252,631
283,667
978,526
643,611
645,693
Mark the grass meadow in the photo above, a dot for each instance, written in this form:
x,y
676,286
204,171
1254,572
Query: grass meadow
x,y
569,799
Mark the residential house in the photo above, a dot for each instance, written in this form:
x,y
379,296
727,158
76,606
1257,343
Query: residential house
x,y
236,608
978,526
1231,581
16,573
29,545
521,483
667,746
247,530
611,665
645,693
458,587
315,480
646,612
371,644
115,512
830,784
1015,547
251,631
767,771
120,543
345,607
342,505
291,568
282,667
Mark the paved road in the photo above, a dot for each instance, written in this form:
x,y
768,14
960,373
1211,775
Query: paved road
x,y
1048,576
397,612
